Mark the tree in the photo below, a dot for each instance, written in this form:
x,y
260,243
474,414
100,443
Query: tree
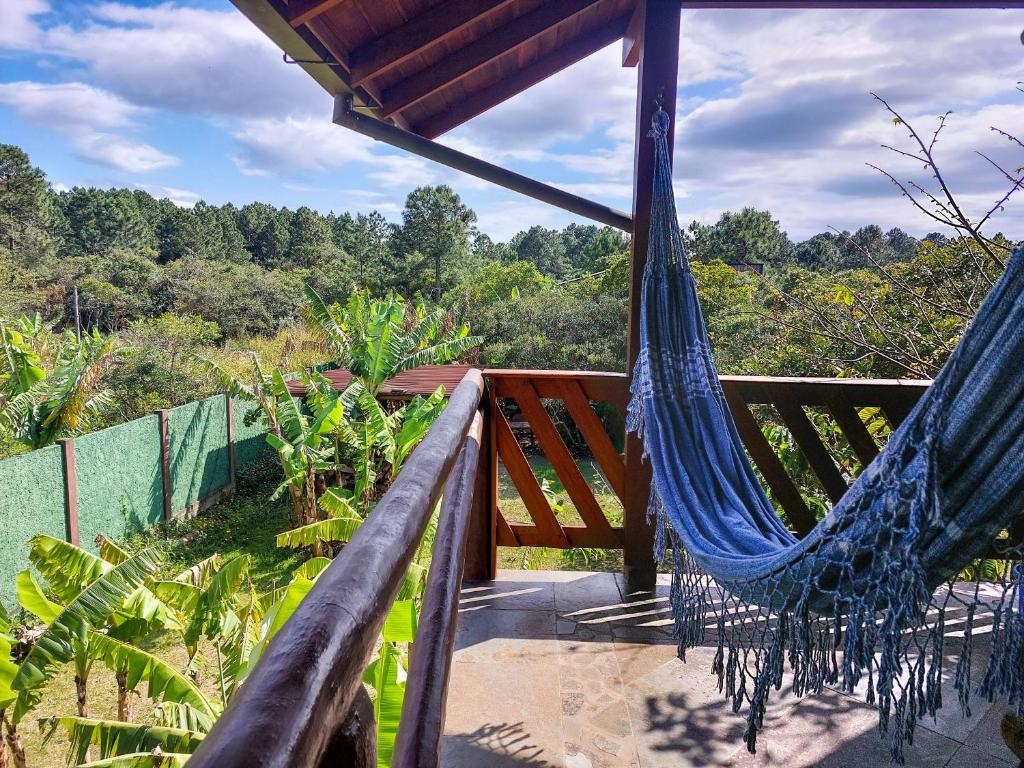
x,y
544,248
24,204
437,227
310,239
159,348
749,237
588,248
100,220
366,240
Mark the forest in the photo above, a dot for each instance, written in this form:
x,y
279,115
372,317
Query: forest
x,y
160,284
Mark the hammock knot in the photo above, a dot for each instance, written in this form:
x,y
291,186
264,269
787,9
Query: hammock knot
x,y
660,122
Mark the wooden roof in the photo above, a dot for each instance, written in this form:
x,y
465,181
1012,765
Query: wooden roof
x,y
419,381
430,65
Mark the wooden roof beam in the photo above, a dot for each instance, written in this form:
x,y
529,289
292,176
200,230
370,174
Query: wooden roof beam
x,y
563,56
301,11
633,39
430,28
472,57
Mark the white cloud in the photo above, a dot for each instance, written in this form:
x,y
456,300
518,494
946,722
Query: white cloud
x,y
121,153
184,59
86,115
17,29
183,198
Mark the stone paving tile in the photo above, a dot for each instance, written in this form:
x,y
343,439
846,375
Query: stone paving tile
x,y
835,731
591,592
551,672
506,636
518,595
970,757
523,730
987,739
595,715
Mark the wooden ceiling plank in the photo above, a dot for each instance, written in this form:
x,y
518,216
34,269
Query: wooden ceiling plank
x,y
506,39
435,26
482,100
301,11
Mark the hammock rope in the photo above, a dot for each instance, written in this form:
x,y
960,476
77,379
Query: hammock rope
x,y
861,597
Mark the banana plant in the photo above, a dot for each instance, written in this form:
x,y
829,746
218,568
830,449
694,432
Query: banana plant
x,y
40,407
341,523
10,738
71,630
377,339
305,446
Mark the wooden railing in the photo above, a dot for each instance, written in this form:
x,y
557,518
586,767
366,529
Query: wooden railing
x,y
304,704
523,391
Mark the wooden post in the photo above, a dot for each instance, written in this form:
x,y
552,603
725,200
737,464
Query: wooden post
x,y
67,448
165,461
657,77
232,476
481,543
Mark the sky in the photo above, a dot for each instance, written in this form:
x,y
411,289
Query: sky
x,y
188,100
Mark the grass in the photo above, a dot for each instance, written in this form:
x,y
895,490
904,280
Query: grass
x,y
545,558
245,524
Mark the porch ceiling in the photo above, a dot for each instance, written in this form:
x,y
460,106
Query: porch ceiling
x,y
430,65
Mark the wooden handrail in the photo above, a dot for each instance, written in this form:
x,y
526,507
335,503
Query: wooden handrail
x,y
293,710
418,744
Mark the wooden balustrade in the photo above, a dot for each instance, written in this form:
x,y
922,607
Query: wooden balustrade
x,y
788,397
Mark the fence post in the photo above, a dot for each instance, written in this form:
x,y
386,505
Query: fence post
x,y
232,476
67,448
165,461
481,543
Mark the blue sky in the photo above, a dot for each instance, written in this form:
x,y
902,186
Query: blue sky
x,y
188,100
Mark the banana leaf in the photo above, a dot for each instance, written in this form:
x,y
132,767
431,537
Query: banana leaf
x,y
113,738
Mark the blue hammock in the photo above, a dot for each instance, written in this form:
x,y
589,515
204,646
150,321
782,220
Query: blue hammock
x,y
853,599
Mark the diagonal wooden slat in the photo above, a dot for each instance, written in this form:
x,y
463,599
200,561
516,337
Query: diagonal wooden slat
x,y
896,411
519,470
432,27
469,59
505,535
817,455
774,473
857,435
554,449
593,431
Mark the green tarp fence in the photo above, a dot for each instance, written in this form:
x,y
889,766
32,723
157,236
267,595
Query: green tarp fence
x,y
116,478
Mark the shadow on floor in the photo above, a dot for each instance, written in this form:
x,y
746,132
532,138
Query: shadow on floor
x,y
503,745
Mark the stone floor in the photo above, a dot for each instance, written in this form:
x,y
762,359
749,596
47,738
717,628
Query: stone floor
x,y
563,669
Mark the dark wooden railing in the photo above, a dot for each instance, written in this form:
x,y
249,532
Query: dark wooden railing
x,y
304,705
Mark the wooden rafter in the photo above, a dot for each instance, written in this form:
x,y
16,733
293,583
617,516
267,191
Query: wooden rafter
x,y
301,11
504,40
562,57
435,26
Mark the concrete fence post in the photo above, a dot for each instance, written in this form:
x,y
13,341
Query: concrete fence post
x,y
165,461
67,448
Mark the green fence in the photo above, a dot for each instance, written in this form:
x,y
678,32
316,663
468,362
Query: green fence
x,y
125,478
